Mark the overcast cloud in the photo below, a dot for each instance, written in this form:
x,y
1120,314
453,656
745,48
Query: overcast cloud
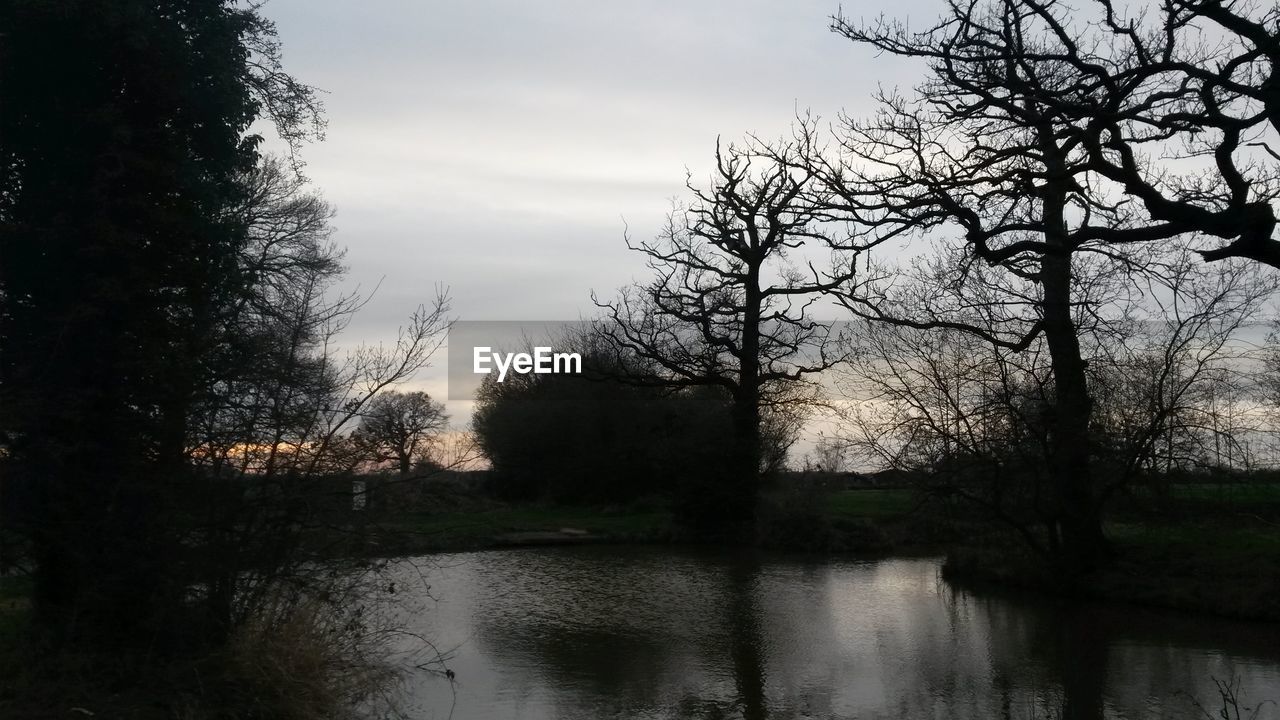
x,y
498,147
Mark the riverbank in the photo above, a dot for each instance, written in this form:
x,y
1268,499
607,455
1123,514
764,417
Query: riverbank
x,y
1205,548
1189,552
1227,570
856,521
1190,555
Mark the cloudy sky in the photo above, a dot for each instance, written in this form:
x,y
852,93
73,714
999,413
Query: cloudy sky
x,y
501,148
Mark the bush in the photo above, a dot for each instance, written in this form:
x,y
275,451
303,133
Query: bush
x,y
309,659
575,439
299,658
795,518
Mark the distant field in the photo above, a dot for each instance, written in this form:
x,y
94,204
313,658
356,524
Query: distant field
x,y
1208,539
1201,536
871,503
1231,492
897,501
457,529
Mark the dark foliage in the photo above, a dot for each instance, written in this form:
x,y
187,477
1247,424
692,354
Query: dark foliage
x,y
590,439
122,144
128,190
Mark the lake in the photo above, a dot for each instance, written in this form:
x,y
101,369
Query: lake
x,y
651,632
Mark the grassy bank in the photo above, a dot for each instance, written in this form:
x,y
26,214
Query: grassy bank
x,y
1202,548
506,526
874,520
1230,569
1231,572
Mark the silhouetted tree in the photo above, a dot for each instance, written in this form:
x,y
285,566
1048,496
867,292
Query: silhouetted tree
x,y
973,420
1035,126
728,309
1189,80
1166,374
400,426
123,138
1174,107
270,438
977,151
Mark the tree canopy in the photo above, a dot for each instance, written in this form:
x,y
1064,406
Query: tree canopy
x,y
124,153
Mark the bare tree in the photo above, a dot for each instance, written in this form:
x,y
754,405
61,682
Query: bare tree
x,y
1034,132
1162,378
400,427
271,433
970,419
728,305
961,416
1192,83
829,455
993,150
1175,106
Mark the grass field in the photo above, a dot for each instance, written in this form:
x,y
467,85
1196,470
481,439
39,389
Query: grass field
x,y
1241,493
1227,569
873,504
450,530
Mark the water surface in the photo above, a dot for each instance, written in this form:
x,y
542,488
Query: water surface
x,y
610,632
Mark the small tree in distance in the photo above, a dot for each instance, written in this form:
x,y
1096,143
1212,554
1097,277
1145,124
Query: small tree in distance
x,y
400,427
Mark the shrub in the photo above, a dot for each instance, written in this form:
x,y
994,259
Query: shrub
x,y
795,518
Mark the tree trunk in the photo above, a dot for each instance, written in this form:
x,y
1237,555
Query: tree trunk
x,y
746,411
1083,544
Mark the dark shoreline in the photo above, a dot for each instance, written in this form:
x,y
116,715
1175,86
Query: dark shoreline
x,y
1182,577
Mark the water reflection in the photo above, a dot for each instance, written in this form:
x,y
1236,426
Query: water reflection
x,y
598,632
745,642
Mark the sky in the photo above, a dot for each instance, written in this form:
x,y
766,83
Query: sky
x,y
504,148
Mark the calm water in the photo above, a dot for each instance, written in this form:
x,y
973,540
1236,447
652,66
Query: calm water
x,y
607,632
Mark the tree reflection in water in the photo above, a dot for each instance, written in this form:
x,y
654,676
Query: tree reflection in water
x,y
652,633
